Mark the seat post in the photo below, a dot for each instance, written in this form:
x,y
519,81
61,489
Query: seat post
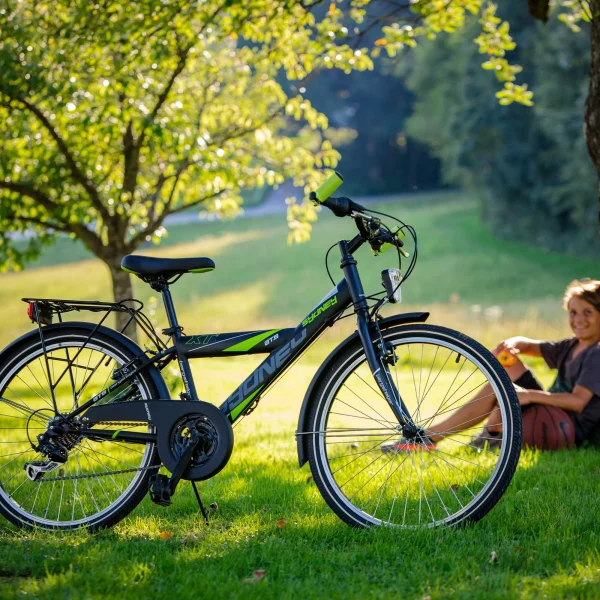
x,y
170,308
175,332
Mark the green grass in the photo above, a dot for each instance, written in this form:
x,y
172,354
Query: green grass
x,y
260,280
544,531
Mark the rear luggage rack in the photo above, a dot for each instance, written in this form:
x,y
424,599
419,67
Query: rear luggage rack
x,y
41,311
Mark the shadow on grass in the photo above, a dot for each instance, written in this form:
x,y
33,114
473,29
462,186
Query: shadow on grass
x,y
270,516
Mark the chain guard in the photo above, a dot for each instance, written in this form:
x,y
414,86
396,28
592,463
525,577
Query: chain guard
x,y
168,417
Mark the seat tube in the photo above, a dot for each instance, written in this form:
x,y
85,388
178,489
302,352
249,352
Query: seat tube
x,y
389,391
174,331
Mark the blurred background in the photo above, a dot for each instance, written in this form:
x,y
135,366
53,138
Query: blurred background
x,y
503,197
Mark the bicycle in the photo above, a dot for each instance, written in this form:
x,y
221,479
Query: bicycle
x,y
99,421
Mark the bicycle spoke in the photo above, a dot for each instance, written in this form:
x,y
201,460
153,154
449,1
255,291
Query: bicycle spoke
x,y
429,485
353,416
362,413
426,382
106,469
91,480
469,393
359,472
413,376
22,407
424,494
370,479
474,420
359,455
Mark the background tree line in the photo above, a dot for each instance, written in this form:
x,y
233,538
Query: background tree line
x,y
434,105
112,119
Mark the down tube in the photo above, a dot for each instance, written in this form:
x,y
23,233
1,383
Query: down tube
x,y
336,301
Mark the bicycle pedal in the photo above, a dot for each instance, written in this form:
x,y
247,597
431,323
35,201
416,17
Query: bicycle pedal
x,y
159,488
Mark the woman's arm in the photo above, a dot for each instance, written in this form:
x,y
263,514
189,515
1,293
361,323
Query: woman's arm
x,y
521,345
576,401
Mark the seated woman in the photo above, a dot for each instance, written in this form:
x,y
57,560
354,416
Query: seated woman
x,y
576,388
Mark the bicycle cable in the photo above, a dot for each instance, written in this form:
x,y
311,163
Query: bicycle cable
x,y
413,234
326,263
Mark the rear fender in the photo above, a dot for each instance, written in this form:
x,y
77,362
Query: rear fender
x,y
393,321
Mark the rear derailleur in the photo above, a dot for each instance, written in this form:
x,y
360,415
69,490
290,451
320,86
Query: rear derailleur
x,y
54,443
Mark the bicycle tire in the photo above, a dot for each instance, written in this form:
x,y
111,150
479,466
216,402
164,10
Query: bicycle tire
x,y
322,454
19,371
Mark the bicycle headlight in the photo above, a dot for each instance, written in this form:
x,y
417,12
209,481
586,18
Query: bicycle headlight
x,y
391,282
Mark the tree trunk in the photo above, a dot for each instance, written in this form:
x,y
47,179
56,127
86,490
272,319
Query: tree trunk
x,y
592,106
122,289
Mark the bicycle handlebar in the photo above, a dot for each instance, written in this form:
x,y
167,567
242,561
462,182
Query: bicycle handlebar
x,y
340,207
378,238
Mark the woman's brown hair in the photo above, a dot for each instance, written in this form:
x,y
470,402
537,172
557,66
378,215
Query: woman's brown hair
x,y
586,289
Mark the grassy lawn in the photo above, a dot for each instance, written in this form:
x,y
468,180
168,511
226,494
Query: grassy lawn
x,y
270,515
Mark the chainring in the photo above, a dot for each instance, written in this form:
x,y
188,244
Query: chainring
x,y
216,439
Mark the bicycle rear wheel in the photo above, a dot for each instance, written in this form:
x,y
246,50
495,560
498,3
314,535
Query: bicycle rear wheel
x,y
101,481
438,372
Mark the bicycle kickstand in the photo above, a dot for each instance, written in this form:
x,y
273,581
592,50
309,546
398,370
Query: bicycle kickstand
x,y
200,502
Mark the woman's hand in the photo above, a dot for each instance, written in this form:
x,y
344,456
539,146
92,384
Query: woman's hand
x,y
525,396
516,344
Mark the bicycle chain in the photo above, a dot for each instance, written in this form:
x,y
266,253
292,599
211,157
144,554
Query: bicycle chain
x,y
105,474
119,423
92,475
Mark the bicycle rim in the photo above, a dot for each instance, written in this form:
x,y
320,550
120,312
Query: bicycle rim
x,y
99,477
413,485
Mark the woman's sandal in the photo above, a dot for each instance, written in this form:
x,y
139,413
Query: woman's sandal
x,y
493,439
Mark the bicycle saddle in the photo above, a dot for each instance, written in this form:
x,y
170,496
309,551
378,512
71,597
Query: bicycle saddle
x,y
166,267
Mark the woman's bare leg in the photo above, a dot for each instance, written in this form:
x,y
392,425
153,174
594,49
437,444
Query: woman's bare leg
x,y
482,406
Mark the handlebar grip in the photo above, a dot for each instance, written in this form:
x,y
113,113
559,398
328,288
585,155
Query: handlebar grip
x,y
328,187
342,207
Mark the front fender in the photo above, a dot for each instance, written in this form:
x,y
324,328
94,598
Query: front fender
x,y
154,373
302,440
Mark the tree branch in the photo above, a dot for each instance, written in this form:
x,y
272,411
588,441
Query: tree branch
x,y
77,173
390,16
233,133
138,238
539,9
131,159
31,192
183,56
46,224
195,203
162,97
89,238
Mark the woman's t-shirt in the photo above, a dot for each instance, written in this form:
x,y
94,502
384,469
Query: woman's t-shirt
x,y
583,370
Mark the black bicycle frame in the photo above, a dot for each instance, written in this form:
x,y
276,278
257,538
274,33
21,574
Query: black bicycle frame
x,y
283,347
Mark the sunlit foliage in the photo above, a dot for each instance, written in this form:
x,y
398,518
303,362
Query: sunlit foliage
x,y
115,115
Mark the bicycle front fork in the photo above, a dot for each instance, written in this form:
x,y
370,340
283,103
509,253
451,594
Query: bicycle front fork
x,y
377,356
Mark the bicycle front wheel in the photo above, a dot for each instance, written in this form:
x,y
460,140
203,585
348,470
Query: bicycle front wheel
x,y
450,384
